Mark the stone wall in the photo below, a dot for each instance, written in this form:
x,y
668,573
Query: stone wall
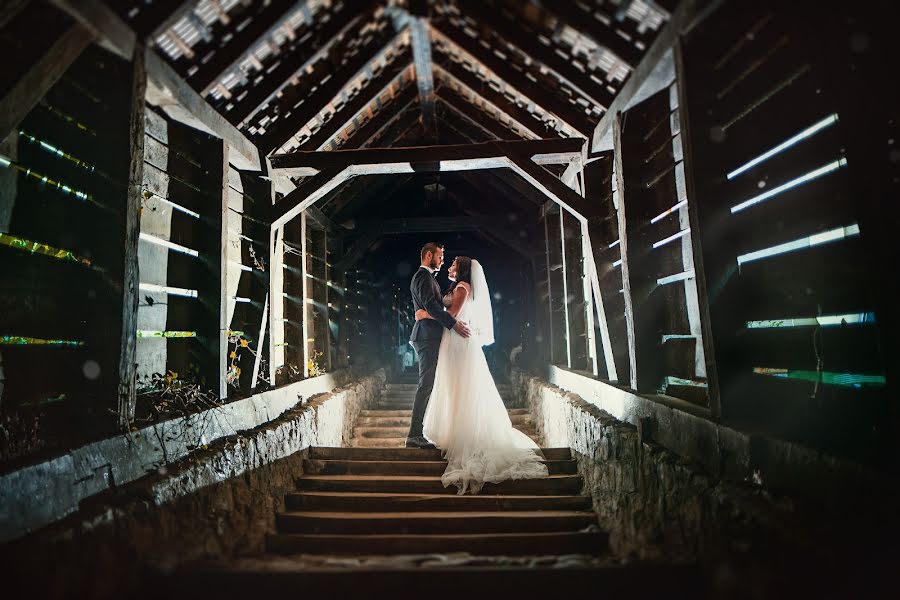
x,y
217,503
37,495
658,505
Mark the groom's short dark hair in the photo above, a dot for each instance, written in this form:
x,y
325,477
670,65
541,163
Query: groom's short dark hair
x,y
430,247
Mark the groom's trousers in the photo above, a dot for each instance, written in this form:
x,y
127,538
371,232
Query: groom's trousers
x,y
427,353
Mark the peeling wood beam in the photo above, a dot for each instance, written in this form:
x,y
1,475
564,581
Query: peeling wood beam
x,y
19,99
529,43
293,63
182,103
242,39
481,119
587,24
561,109
279,132
430,158
682,19
372,91
165,88
383,120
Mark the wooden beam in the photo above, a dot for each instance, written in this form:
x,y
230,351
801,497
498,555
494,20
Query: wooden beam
x,y
421,49
481,119
158,14
450,72
10,9
223,280
110,30
23,96
242,38
165,88
359,102
131,220
529,43
431,158
585,22
623,247
550,186
182,103
295,61
686,16
303,197
384,119
281,130
395,130
563,110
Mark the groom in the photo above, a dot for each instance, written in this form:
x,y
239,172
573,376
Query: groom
x,y
426,334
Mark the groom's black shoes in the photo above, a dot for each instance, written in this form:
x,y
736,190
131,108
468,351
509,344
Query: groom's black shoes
x,y
419,442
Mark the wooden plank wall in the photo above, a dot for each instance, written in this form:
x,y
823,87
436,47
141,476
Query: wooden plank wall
x,y
655,209
604,231
65,210
754,80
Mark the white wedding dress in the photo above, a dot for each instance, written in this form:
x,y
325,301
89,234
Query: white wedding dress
x,y
466,417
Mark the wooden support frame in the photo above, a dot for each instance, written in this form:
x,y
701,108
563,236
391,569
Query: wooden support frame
x,y
623,245
18,101
132,222
421,49
165,87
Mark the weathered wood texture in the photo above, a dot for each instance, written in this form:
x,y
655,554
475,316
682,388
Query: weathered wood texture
x,y
791,84
131,221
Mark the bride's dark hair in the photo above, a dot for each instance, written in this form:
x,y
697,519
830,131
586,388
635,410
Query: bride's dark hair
x,y
463,271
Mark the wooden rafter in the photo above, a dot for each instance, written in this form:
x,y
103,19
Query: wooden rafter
x,y
384,119
479,118
369,94
279,132
164,86
570,113
295,60
586,20
421,48
528,42
18,100
430,158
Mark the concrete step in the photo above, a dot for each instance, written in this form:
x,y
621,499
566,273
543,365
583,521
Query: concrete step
x,y
414,454
431,523
403,421
431,468
554,485
506,544
407,503
521,578
400,442
408,412
401,432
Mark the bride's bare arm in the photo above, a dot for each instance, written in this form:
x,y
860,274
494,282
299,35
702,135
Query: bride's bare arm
x,y
460,293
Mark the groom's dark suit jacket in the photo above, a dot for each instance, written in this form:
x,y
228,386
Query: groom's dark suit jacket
x,y
426,293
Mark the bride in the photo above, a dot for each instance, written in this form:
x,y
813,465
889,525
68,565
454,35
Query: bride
x,y
466,417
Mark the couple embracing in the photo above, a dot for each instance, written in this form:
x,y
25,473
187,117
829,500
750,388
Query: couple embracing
x,y
457,406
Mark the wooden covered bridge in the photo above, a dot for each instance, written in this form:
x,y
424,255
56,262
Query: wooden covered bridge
x,y
210,211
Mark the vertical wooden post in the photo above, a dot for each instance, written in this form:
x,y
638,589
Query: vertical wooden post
x,y
623,245
696,239
276,302
549,290
306,310
565,285
326,310
223,275
131,222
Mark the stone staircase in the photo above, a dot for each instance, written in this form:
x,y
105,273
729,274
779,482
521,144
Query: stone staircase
x,y
375,518
386,425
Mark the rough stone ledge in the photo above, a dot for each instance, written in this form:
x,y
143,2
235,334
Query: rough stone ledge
x,y
657,499
37,495
722,451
